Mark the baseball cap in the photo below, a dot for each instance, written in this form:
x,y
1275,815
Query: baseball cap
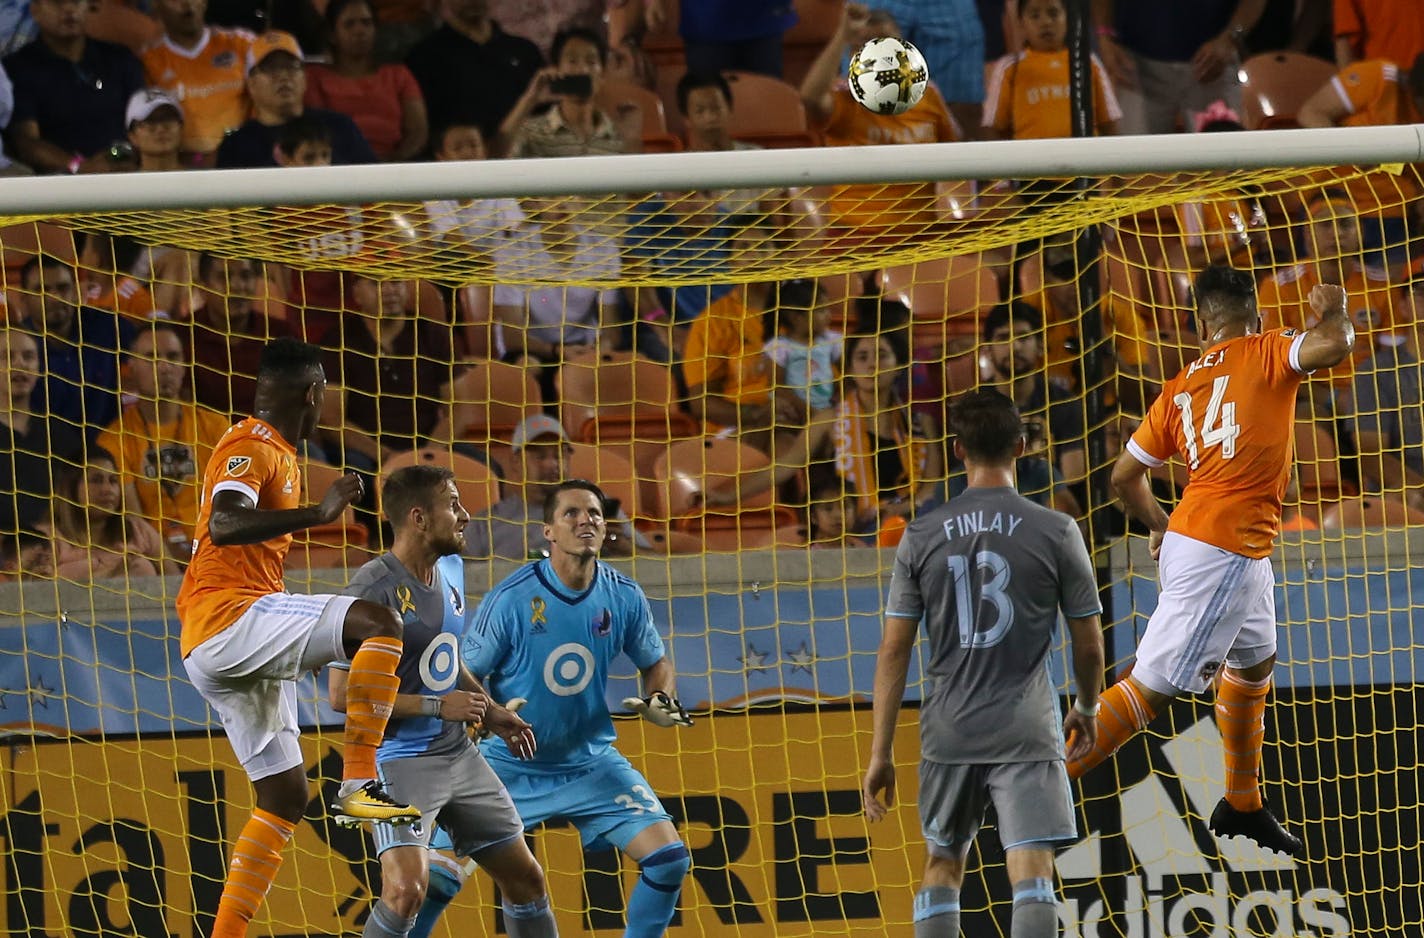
x,y
269,43
144,102
531,428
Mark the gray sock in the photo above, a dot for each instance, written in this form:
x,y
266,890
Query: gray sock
x,y
937,912
383,923
530,920
1035,909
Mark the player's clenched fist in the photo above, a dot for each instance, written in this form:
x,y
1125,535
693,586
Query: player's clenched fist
x,y
343,492
1325,297
659,709
463,706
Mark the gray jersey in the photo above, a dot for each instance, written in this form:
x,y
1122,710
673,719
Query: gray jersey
x,y
989,573
434,617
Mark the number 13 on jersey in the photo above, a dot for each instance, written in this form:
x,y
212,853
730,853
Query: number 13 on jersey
x,y
1218,425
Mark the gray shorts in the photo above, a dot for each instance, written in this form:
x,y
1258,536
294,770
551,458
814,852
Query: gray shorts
x,y
457,790
1033,800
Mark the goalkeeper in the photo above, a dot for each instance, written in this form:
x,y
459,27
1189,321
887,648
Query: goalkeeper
x,y
545,637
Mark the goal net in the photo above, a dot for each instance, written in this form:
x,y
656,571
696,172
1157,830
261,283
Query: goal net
x,y
751,353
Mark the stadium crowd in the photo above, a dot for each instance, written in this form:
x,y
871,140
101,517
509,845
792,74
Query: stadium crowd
x,y
813,408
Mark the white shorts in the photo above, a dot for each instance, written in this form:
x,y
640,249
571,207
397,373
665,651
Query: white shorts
x,y
1214,608
246,672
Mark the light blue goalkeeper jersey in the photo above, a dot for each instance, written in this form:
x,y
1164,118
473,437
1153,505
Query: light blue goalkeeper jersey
x,y
533,637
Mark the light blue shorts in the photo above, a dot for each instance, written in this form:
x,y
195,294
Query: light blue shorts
x,y
607,800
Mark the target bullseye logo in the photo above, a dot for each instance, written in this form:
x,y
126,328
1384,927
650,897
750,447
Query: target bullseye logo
x,y
439,666
568,669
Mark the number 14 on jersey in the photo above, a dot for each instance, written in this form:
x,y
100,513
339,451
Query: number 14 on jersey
x,y
1218,427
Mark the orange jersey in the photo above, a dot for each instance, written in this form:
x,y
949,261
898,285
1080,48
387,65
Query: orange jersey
x,y
1027,96
251,458
1381,29
850,125
1221,227
1284,301
209,81
125,296
1230,416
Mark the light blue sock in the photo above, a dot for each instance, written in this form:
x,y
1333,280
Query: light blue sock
x,y
937,912
530,919
1035,909
444,886
654,899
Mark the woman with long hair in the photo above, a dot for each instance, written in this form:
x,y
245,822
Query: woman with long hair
x,y
94,537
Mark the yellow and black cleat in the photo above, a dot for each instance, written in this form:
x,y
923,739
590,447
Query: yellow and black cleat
x,y
370,802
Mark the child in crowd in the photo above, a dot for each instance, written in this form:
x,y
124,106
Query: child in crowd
x,y
303,141
833,513
805,349
93,536
26,555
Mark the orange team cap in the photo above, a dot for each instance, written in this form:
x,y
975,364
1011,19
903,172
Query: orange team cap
x,y
270,43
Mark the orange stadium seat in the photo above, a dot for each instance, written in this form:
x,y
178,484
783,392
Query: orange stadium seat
x,y
620,397
616,94
1317,462
690,467
477,482
947,297
1371,511
341,543
612,472
768,112
1277,84
487,401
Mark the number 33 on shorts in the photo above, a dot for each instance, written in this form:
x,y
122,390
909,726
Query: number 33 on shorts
x,y
639,800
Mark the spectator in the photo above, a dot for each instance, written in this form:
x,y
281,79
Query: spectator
x,y
718,35
106,266
32,445
893,460
513,527
539,21
204,68
552,245
1028,96
805,349
229,330
1333,255
1388,425
8,167
383,100
79,346
951,37
832,513
276,84
387,368
403,24
470,70
1377,29
70,94
303,141
95,536
155,130
161,442
705,101
1169,60
473,225
729,378
1011,361
1217,230
17,26
26,555
858,211
573,125
1373,93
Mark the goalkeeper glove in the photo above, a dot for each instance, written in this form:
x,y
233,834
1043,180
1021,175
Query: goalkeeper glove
x,y
659,709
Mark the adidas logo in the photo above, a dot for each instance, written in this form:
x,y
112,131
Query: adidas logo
x,y
1178,890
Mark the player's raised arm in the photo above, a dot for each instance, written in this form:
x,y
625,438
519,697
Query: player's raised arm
x,y
236,519
1332,339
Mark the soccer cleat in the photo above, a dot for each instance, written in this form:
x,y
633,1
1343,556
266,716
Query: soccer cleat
x,y
370,802
1259,825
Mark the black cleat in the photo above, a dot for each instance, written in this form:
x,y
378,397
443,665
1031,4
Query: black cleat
x,y
1259,825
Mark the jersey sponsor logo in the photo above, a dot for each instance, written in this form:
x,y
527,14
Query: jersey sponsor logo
x,y
1178,888
602,624
238,465
225,59
440,662
568,669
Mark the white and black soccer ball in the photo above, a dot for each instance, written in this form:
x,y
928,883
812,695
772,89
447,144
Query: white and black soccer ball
x,y
888,75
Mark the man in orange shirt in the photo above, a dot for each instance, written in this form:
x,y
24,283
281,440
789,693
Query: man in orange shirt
x,y
204,68
1229,417
245,640
1378,29
892,210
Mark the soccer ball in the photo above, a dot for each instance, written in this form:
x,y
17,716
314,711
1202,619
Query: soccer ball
x,y
888,75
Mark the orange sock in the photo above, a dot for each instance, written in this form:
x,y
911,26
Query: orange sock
x,y
256,857
1241,718
1122,717
370,695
